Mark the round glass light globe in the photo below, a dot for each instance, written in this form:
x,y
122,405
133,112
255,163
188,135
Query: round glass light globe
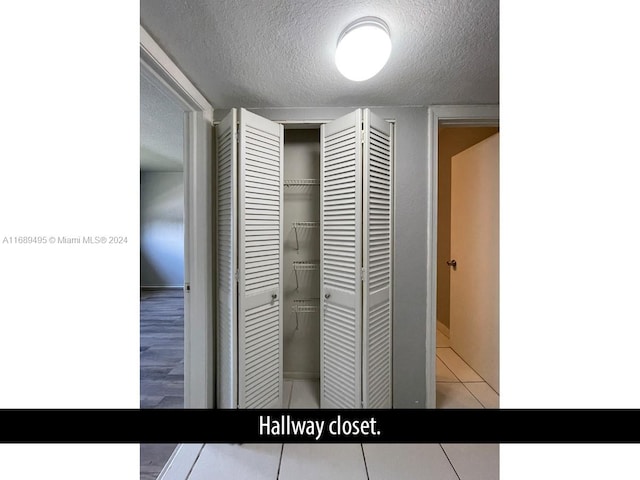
x,y
363,49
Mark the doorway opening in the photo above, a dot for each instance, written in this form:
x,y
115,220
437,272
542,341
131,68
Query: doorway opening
x,y
466,305
162,247
162,259
176,233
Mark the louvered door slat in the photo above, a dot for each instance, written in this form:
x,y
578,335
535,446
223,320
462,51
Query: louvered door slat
x,y
378,239
226,134
260,263
341,248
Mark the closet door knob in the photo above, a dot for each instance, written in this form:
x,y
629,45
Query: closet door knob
x,y
274,296
452,263
327,295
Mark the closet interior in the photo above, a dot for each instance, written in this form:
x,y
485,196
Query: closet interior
x,y
301,261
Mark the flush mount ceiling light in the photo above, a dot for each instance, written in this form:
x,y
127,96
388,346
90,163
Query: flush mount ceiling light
x,y
363,48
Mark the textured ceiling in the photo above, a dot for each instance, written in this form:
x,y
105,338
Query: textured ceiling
x,y
161,130
279,53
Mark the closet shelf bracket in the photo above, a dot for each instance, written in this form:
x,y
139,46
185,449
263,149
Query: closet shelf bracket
x,y
306,305
302,266
297,225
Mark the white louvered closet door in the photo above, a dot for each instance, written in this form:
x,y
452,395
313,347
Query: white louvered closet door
x,y
377,257
227,314
260,262
341,263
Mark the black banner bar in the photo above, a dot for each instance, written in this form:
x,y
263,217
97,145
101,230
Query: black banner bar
x,y
308,426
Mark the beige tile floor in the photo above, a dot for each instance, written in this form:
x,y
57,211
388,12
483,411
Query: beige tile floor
x,y
457,384
346,462
301,393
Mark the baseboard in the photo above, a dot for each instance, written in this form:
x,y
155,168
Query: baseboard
x,y
161,287
443,328
301,376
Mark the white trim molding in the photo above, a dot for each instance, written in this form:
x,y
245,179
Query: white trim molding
x,y
199,339
168,72
438,115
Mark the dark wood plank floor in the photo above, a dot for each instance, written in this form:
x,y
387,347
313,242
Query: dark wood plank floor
x,y
153,456
161,366
162,348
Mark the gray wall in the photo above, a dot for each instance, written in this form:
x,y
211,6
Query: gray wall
x,y
161,229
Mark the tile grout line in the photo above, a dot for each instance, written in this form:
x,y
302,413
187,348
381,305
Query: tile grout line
x,y
280,463
462,360
195,461
477,399
460,381
445,364
449,460
364,458
457,378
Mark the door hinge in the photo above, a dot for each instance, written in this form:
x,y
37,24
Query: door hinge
x,y
187,287
237,275
361,136
362,273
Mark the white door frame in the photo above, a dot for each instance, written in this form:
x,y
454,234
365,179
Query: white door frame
x,y
467,115
156,65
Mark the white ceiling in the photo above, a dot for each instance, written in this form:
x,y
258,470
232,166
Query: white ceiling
x,y
279,53
161,129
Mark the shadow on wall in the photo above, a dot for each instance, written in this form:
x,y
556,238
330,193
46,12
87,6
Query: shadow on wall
x,y
161,229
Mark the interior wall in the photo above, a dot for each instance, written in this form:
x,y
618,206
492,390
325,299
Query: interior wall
x,y
301,203
451,141
161,229
410,271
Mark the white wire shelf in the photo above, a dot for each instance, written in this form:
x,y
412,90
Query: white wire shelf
x,y
305,305
306,224
305,265
301,181
297,225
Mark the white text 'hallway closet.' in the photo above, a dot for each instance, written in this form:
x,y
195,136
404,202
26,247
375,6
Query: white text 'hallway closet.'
x,y
355,235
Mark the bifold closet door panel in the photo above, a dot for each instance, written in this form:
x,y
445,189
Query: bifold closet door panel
x,y
260,262
341,262
377,255
227,208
